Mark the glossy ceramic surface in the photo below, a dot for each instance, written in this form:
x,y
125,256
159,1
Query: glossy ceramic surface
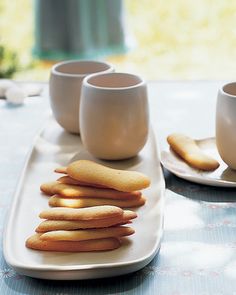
x,y
222,176
65,87
55,147
226,124
114,115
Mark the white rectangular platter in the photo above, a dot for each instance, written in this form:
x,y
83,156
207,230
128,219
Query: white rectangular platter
x,y
52,148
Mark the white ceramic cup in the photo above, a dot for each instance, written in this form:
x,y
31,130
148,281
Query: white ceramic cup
x,y
114,115
226,124
65,87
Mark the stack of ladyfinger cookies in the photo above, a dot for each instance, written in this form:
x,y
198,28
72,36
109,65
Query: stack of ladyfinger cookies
x,y
87,184
88,208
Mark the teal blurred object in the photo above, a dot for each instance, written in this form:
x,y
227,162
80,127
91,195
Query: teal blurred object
x,y
78,28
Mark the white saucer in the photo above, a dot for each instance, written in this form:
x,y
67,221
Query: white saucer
x,y
222,176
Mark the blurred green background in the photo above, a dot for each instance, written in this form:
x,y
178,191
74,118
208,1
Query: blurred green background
x,y
175,39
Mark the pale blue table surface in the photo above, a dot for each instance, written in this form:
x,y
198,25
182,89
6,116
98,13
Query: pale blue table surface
x,y
198,251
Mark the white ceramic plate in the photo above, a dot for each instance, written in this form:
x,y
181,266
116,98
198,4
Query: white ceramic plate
x,y
222,176
52,148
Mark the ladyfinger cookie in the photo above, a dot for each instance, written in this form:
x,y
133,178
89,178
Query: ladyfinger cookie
x,y
36,243
70,191
87,234
187,149
61,170
96,212
69,180
58,201
121,180
48,187
53,225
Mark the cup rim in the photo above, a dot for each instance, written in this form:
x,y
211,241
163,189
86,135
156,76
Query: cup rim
x,y
54,69
90,85
226,93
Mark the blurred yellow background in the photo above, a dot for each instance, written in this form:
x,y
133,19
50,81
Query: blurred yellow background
x,y
175,39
